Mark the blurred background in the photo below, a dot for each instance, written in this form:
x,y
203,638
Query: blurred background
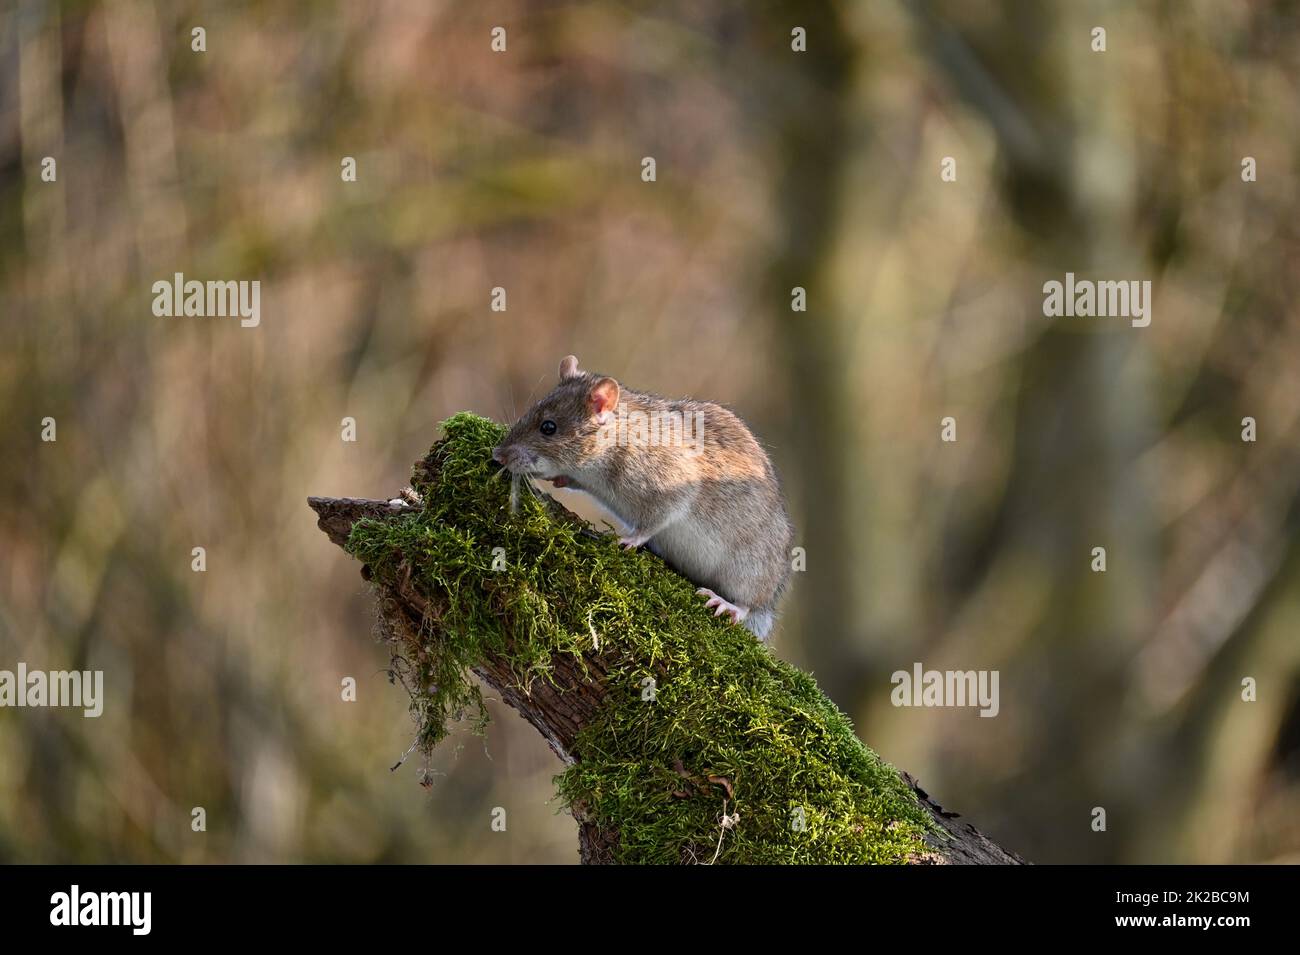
x,y
522,170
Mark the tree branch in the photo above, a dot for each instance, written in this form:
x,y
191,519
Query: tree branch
x,y
576,692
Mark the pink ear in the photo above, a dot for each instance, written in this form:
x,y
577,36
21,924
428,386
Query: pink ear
x,y
569,367
604,397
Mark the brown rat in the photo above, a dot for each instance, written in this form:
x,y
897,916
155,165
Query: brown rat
x,y
688,477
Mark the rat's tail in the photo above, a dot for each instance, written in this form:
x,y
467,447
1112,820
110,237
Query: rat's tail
x,y
760,621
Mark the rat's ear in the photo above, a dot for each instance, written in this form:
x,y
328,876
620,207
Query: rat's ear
x,y
604,398
569,367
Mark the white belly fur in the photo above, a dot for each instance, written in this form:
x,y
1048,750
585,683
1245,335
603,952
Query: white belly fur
x,y
698,556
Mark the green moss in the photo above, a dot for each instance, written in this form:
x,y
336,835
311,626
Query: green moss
x,y
723,706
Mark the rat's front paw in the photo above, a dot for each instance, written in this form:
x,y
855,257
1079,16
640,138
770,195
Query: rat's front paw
x,y
736,613
632,542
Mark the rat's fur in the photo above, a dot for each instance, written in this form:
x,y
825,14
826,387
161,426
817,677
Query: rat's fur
x,y
714,513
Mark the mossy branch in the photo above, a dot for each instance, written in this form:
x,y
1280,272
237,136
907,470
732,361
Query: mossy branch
x,y
684,738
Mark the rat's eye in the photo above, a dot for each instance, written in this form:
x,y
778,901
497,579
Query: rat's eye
x,y
548,427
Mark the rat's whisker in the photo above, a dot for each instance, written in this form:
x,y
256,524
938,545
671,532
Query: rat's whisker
x,y
533,390
533,489
514,493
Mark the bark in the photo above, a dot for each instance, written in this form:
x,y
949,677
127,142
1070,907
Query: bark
x,y
559,710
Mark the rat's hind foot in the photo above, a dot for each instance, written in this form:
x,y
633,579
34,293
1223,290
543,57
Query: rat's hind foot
x,y
632,542
737,614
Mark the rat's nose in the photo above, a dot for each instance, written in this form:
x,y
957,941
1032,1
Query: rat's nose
x,y
499,455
